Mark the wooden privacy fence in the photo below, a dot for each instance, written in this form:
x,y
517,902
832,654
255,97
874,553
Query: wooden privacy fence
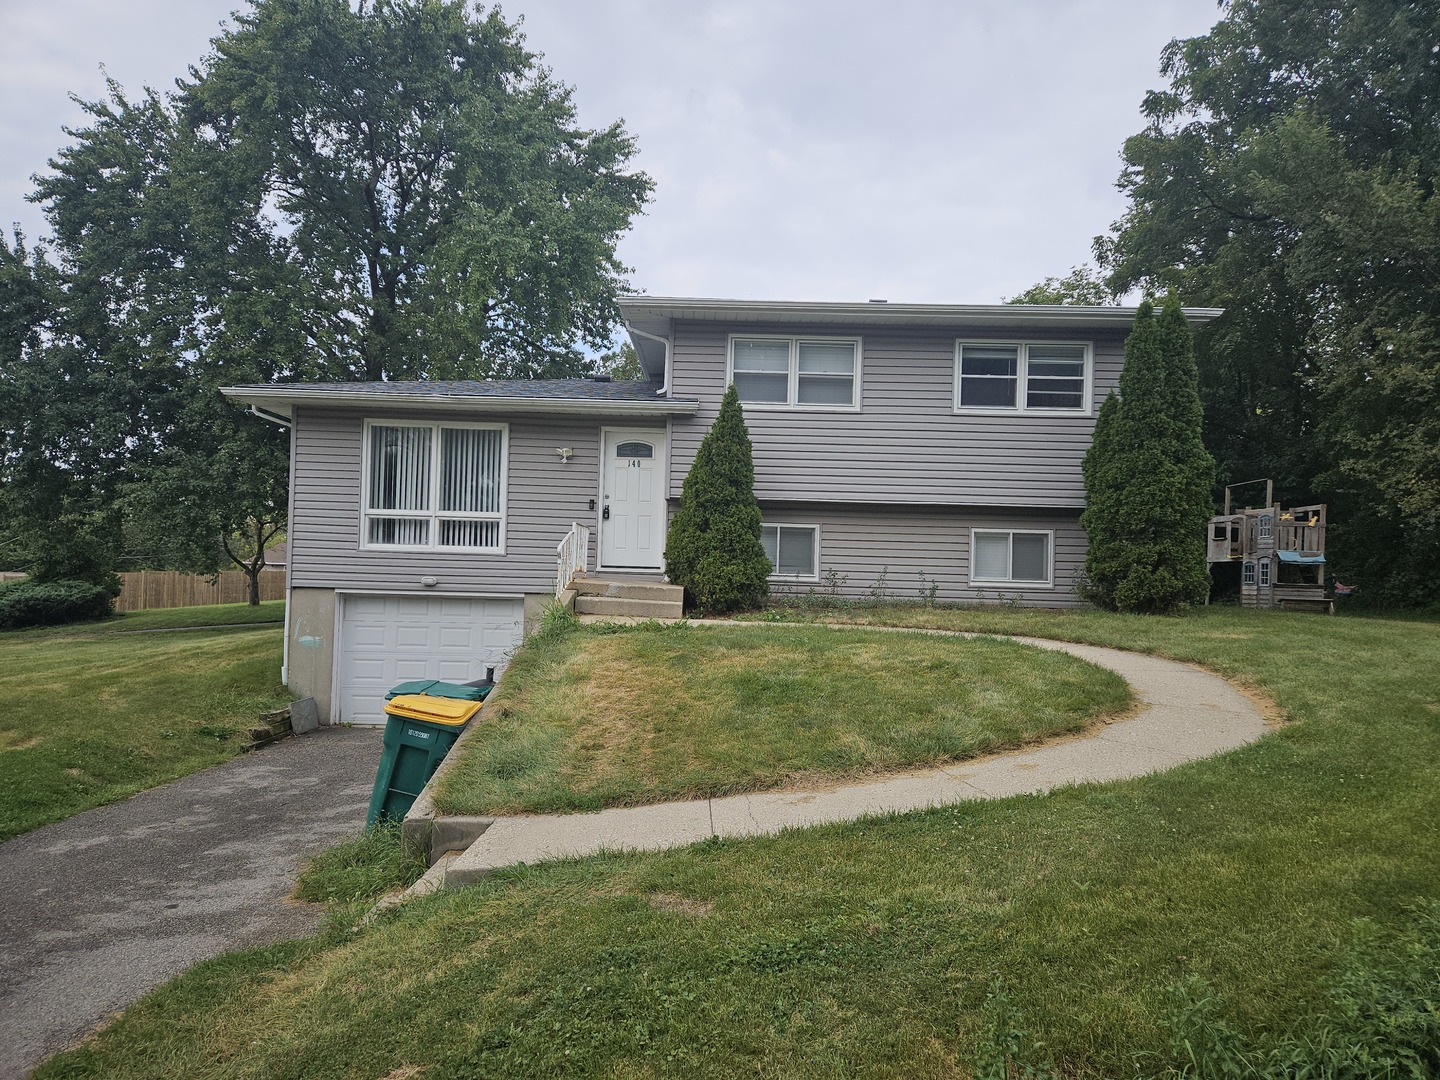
x,y
146,589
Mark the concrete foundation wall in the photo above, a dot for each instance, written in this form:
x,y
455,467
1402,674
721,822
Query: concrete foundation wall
x,y
311,630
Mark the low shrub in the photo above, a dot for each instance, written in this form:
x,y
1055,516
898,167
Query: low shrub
x,y
52,603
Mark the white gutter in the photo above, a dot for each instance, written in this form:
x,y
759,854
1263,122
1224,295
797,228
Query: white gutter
x,y
274,418
283,400
664,389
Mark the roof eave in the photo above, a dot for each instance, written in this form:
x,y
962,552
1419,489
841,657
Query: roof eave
x,y
636,307
284,402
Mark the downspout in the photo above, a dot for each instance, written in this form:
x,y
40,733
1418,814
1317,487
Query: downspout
x,y
276,418
664,389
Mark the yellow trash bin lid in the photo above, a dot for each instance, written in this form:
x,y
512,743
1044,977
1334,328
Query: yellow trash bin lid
x,y
437,710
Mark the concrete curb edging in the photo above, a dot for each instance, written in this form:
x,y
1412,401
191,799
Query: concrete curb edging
x,y
425,831
1186,714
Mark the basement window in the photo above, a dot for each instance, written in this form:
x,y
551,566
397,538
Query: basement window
x,y
793,551
1016,557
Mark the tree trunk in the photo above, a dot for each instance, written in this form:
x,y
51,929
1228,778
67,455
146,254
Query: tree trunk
x,y
252,581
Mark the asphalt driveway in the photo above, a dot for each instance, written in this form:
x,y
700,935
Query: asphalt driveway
x,y
99,909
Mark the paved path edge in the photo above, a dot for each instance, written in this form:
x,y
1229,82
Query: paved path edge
x,y
1186,714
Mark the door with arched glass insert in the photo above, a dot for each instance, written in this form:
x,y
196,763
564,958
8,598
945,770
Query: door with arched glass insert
x,y
632,510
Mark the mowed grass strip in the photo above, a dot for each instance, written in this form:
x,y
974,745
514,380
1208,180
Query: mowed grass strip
x,y
868,949
88,716
592,716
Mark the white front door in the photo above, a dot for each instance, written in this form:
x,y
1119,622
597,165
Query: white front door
x,y
632,511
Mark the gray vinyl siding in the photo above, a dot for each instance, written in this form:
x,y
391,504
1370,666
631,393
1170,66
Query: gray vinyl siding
x,y
860,544
544,496
906,445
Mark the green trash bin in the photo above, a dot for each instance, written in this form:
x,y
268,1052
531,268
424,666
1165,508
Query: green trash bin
x,y
437,688
419,731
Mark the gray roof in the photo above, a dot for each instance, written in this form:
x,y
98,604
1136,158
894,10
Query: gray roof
x,y
625,396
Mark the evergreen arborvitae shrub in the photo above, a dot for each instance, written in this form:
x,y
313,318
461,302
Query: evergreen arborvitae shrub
x,y
713,547
1148,476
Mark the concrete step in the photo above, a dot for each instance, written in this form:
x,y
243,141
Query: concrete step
x,y
629,590
620,605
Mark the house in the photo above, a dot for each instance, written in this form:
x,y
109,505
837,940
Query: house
x,y
910,450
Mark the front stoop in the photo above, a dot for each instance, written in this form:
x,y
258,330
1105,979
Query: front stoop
x,y
637,599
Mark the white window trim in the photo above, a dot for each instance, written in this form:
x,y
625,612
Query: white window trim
x,y
1247,573
1048,583
1022,365
793,385
434,515
1263,577
777,576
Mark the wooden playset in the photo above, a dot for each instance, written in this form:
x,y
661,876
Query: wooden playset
x,y
1280,552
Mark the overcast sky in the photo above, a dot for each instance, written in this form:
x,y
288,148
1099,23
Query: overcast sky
x,y
802,149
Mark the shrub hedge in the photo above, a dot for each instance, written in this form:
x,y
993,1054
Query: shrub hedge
x,y
52,603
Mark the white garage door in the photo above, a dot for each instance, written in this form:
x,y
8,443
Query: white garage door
x,y
385,640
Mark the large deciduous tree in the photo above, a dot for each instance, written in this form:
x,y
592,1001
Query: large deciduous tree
x,y
1289,174
1148,476
393,189
1083,285
449,215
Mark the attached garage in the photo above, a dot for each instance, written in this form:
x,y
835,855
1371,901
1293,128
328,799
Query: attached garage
x,y
385,640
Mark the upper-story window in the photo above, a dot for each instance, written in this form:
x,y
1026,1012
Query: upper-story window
x,y
796,372
1019,376
430,486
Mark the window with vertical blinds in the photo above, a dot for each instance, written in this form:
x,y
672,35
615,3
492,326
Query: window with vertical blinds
x,y
435,486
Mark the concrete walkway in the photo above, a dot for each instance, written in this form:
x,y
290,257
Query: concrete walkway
x,y
105,906
1186,714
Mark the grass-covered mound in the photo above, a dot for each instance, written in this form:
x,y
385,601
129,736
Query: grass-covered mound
x,y
602,716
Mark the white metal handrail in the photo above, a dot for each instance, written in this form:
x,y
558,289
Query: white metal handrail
x,y
571,555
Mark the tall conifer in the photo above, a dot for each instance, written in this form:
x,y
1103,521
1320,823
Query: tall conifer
x,y
1148,476
713,547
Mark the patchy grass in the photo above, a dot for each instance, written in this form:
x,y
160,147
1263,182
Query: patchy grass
x,y
89,716
873,948
360,870
268,611
604,716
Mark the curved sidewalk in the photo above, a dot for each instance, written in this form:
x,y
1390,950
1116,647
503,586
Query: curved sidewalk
x,y
1186,714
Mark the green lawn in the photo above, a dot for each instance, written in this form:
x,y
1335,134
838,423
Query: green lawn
x,y
89,715
604,716
869,949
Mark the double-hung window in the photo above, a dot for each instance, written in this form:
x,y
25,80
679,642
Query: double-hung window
x,y
796,372
430,486
793,551
1036,377
1010,557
